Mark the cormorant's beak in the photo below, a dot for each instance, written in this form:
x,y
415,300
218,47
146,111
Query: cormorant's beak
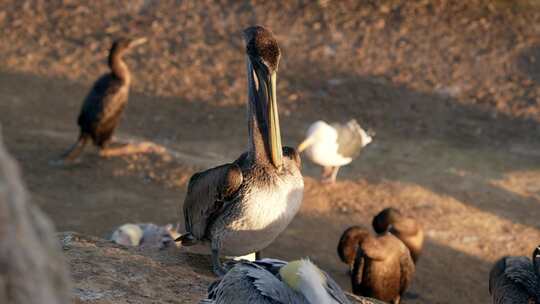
x,y
138,41
267,102
306,143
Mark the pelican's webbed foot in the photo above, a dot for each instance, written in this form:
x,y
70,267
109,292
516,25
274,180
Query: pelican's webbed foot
x,y
130,148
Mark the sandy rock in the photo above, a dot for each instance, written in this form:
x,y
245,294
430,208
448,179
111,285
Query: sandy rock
x,y
32,269
108,273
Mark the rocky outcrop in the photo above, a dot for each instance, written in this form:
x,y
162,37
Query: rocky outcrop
x,y
107,273
32,268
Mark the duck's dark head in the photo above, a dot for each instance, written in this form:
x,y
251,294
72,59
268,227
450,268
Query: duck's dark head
x,y
385,218
122,45
263,56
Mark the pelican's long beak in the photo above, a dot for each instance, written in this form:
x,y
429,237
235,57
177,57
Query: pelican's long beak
x,y
267,103
306,143
273,124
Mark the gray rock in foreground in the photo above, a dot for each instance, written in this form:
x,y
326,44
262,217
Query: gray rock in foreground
x,y
32,268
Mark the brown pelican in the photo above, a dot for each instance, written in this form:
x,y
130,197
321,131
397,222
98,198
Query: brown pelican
x,y
103,106
514,280
404,228
333,146
382,269
144,235
241,207
270,281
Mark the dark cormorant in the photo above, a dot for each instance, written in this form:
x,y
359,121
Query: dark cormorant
x,y
382,267
516,280
241,207
349,242
103,106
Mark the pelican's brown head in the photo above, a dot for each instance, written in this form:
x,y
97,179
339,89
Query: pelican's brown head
x,y
263,56
262,46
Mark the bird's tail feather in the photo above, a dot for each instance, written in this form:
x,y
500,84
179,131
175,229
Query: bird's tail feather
x,y
75,150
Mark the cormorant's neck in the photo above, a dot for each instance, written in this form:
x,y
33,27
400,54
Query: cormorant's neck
x,y
118,67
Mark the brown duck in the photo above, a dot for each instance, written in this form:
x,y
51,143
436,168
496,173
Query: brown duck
x,y
407,229
349,242
382,269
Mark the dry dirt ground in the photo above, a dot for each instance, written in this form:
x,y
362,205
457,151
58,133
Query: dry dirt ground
x,y
450,88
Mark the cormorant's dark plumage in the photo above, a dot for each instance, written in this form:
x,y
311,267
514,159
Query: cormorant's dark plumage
x,y
349,242
382,269
404,228
516,280
104,104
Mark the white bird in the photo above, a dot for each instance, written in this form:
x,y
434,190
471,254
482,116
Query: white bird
x,y
271,281
334,145
147,235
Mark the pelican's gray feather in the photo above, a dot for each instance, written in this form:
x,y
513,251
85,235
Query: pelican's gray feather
x,y
513,280
208,194
334,290
272,265
521,271
259,282
270,286
250,283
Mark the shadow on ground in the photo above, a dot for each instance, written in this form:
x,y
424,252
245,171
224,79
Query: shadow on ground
x,y
445,162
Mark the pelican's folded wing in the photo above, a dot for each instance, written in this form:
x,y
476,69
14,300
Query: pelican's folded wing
x,y
520,270
208,194
272,265
268,285
333,289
